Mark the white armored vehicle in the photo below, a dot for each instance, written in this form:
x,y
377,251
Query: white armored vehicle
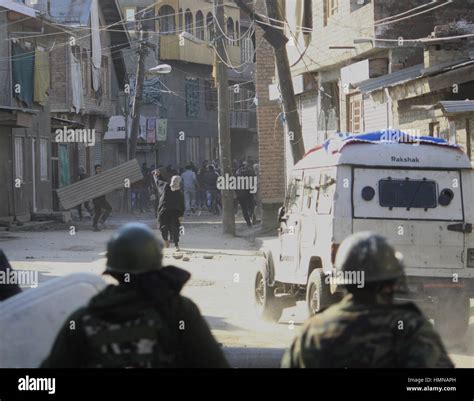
x,y
417,192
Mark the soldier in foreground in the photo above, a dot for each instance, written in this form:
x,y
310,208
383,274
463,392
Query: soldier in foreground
x,y
141,323
367,329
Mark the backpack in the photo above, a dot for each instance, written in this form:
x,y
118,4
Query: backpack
x,y
142,342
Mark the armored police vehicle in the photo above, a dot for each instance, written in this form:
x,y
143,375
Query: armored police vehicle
x,y
417,192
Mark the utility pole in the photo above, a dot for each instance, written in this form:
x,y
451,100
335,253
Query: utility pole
x,y
228,217
275,37
286,87
137,99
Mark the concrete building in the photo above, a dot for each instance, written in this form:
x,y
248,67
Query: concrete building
x,y
25,144
183,104
333,46
337,44
87,71
435,97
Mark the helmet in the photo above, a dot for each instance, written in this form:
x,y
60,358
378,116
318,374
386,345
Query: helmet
x,y
134,249
370,254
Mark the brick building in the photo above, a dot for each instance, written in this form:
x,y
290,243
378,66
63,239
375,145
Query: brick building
x,y
270,133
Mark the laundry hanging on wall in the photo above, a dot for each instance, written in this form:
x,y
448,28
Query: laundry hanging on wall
x,y
76,82
23,62
96,46
41,76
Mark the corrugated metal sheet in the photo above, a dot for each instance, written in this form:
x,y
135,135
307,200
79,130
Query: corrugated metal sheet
x,y
410,74
101,184
458,106
98,150
407,74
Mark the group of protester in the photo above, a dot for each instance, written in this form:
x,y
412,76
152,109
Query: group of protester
x,y
199,187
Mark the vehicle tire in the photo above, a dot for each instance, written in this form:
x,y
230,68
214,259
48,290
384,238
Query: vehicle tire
x,y
267,306
451,315
318,293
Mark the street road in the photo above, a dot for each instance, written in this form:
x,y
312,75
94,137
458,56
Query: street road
x,y
222,271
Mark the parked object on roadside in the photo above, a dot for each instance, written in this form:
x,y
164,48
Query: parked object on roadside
x,y
367,329
143,322
7,289
416,191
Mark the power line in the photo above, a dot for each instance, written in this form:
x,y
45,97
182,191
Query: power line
x,y
407,12
414,15
89,28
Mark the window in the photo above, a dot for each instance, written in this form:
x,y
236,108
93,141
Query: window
x,y
237,33
43,159
293,196
167,22
188,21
192,149
105,77
356,4
180,20
327,187
210,96
434,130
210,27
230,30
192,97
200,25
19,158
247,51
307,20
331,7
309,190
355,115
408,193
130,18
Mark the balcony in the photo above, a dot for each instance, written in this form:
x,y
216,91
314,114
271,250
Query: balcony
x,y
191,52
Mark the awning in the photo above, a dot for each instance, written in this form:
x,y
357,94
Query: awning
x,y
457,106
59,123
17,117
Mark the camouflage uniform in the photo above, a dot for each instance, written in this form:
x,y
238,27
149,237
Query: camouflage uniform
x,y
368,330
351,335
